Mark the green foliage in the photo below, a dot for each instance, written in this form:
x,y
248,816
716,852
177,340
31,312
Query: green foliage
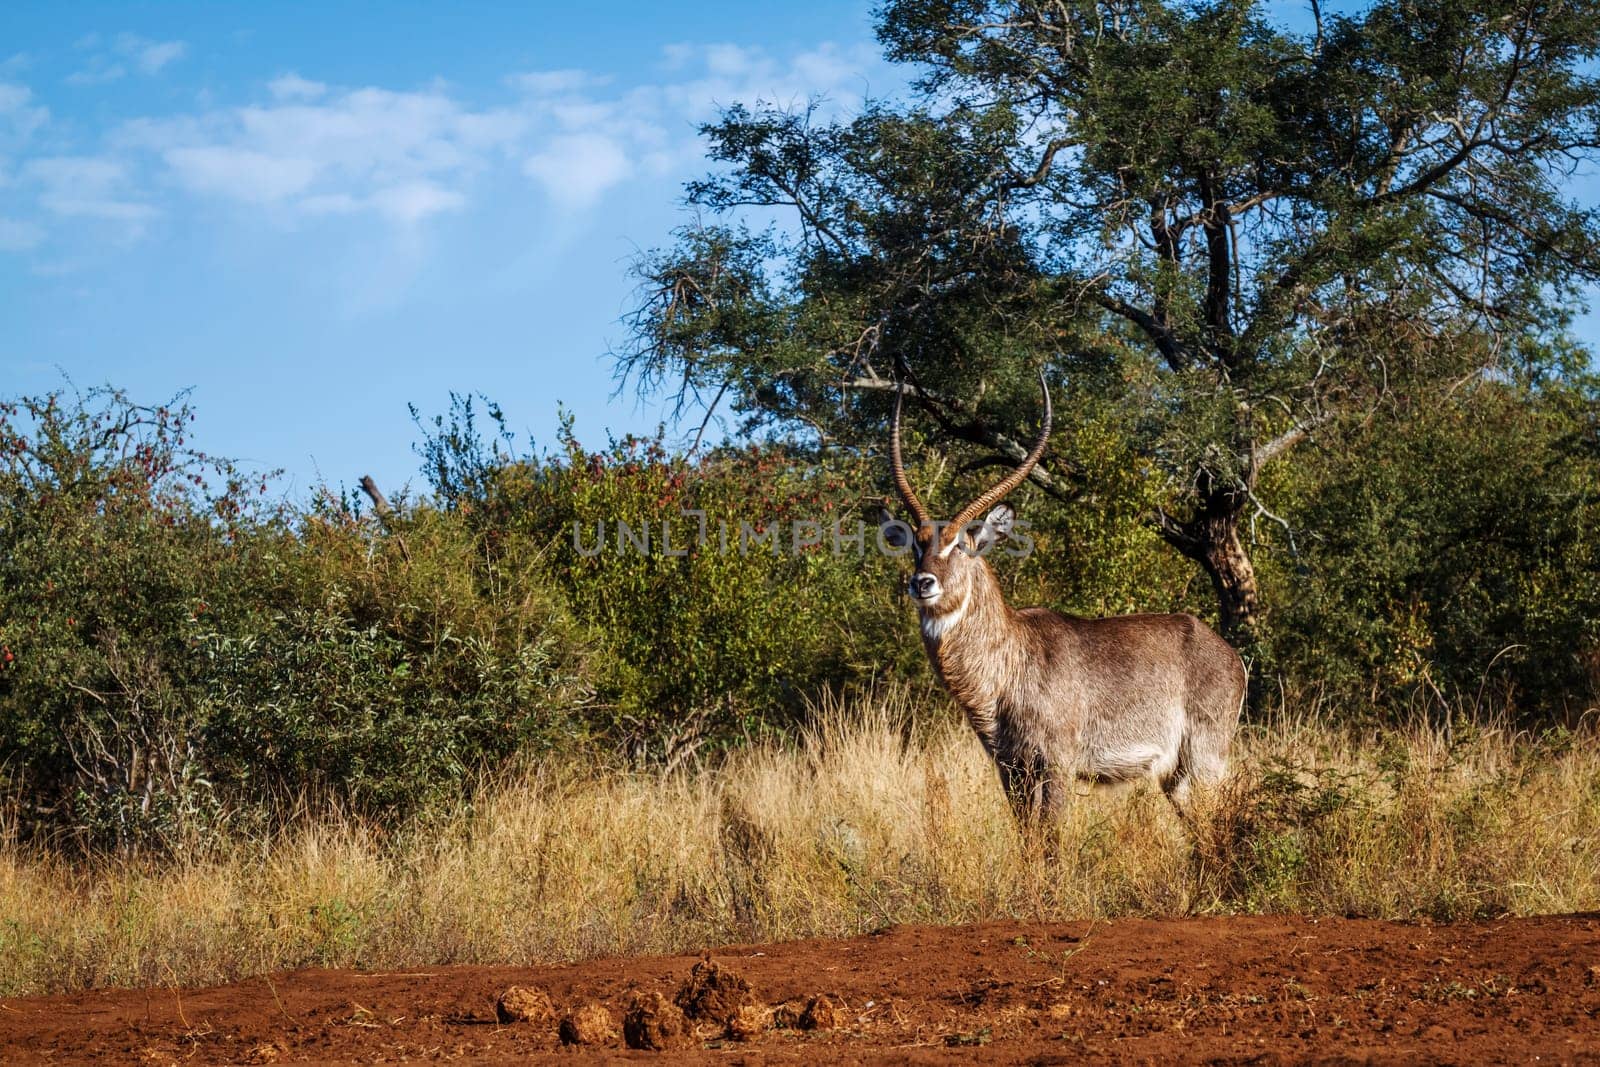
x,y
718,596
173,656
335,932
388,676
1458,556
1203,215
170,653
1260,850
114,552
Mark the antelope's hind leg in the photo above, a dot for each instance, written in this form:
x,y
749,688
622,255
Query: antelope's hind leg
x,y
1179,788
1193,780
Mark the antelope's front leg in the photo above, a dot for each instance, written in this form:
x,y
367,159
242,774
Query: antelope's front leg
x,y
1057,788
1027,786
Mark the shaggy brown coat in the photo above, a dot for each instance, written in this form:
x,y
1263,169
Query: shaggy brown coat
x,y
1057,699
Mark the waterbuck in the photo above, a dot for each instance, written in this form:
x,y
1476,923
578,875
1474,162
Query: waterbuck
x,y
1057,699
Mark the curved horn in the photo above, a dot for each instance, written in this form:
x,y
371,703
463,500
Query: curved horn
x,y
897,464
1012,480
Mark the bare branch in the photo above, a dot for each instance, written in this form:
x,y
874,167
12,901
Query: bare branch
x,y
711,410
380,505
1261,455
1042,171
1172,350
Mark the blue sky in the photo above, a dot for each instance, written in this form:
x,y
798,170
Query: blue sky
x,y
313,214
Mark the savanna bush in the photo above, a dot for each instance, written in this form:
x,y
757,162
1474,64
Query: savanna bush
x,y
1457,564
389,671
118,546
173,654
716,595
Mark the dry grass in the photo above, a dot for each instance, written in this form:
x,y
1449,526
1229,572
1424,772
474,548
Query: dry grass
x,y
861,824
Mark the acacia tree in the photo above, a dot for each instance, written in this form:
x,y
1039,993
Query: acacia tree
x,y
1209,218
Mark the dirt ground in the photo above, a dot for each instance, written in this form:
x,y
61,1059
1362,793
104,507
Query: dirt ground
x,y
1213,990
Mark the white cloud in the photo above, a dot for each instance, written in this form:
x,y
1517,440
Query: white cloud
x,y
100,68
577,169
255,177
403,155
98,72
86,187
291,86
677,56
730,60
554,82
304,149
415,201
20,118
736,74
150,56
592,141
145,56
409,203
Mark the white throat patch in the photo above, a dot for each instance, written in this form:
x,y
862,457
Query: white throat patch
x,y
936,626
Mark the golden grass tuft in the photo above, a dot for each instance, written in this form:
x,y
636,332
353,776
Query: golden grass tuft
x,y
863,822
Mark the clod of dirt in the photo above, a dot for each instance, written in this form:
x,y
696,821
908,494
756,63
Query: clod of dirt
x,y
821,1012
519,1004
266,1053
654,1022
713,992
786,1016
588,1024
749,1022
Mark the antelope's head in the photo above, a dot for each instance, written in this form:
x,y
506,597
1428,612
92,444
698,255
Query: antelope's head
x,y
949,556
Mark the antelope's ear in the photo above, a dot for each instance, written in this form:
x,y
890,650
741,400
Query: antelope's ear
x,y
896,534
996,524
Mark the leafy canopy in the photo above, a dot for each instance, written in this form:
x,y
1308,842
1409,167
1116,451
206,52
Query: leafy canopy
x,y
1201,216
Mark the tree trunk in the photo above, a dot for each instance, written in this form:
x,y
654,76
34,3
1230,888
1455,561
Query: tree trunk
x,y
1223,557
1211,538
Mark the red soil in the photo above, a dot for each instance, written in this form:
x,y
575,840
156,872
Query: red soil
x,y
1263,990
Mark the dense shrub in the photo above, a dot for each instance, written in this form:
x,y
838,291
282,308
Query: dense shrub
x,y
386,676
714,596
1459,559
170,652
115,552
